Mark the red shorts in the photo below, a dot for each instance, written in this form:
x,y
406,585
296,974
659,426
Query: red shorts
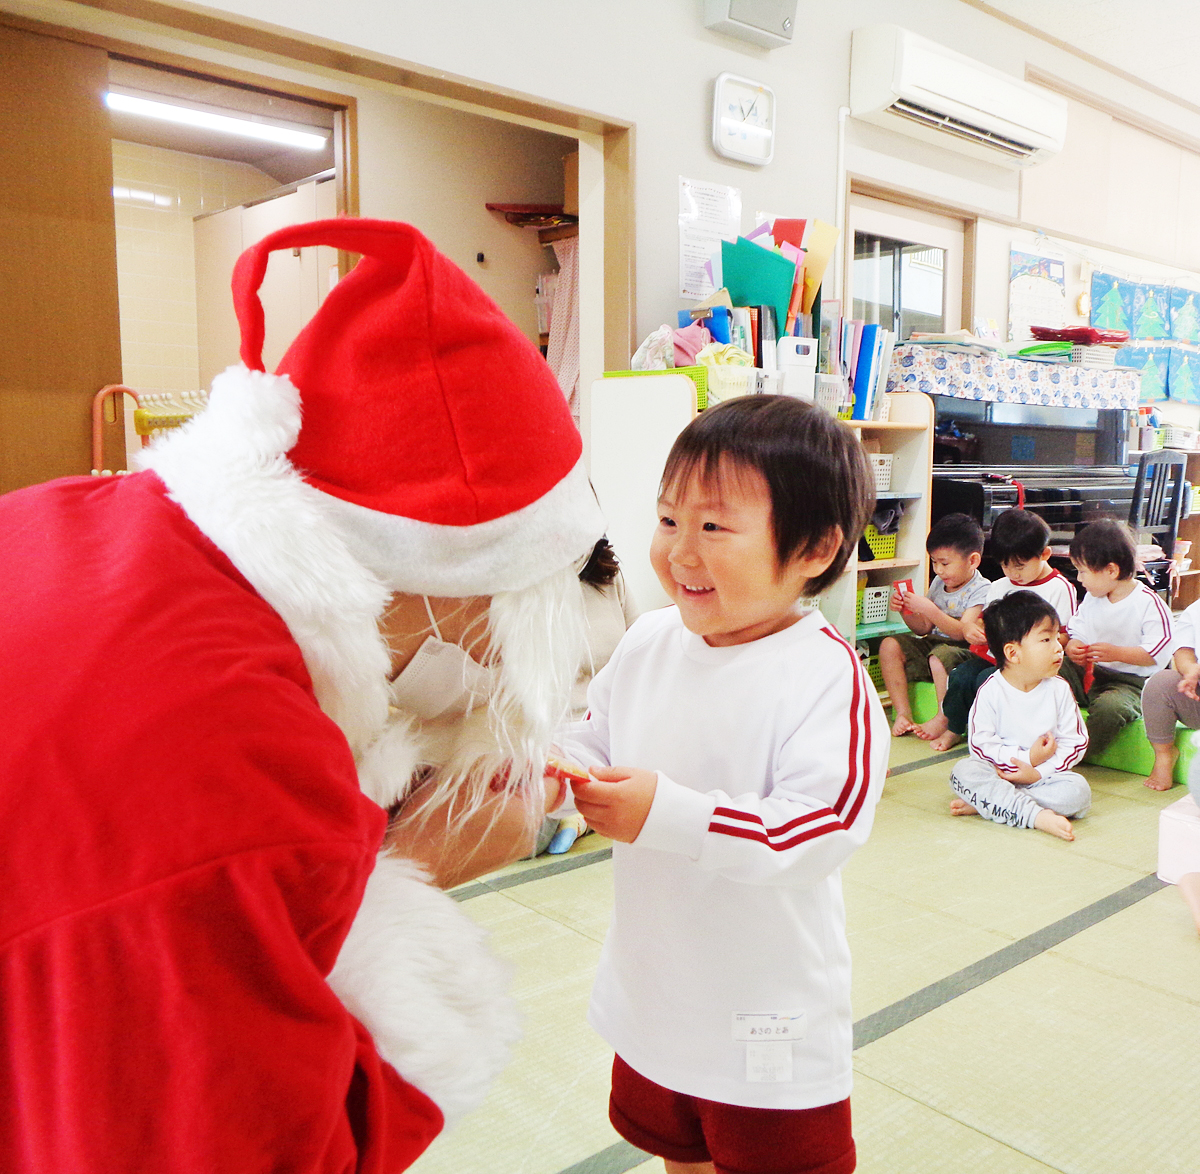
x,y
736,1139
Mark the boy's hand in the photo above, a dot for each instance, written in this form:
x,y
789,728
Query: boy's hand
x,y
973,632
920,605
1187,686
1077,652
897,601
616,801
1018,772
1043,749
1101,651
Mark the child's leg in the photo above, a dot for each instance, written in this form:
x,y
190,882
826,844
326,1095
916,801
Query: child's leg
x,y
1066,792
1112,704
1162,706
961,686
895,680
978,786
1189,886
689,1167
935,727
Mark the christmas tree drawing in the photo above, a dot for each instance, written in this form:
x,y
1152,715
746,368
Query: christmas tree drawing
x,y
1150,322
1109,312
1183,383
1185,321
1152,382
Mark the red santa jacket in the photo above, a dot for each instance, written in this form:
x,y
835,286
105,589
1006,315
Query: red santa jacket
x,y
185,846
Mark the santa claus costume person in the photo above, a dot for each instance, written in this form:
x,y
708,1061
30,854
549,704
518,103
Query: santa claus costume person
x,y
343,589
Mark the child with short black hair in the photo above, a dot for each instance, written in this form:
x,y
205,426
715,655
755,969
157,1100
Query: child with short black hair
x,y
937,645
1025,731
1021,545
1122,630
724,982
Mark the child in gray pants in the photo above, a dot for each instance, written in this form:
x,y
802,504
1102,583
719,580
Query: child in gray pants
x,y
1025,731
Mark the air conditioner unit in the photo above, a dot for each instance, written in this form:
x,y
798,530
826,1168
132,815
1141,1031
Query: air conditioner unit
x,y
909,84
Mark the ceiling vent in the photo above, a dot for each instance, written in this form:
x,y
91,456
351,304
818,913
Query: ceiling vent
x,y
909,84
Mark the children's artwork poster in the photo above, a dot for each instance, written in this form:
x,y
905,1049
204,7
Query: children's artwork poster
x,y
1183,379
1037,292
1185,317
1150,311
1154,362
708,214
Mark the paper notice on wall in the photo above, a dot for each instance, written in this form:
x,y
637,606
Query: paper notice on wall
x,y
709,213
1037,292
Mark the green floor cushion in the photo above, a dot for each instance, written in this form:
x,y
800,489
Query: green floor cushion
x,y
1129,751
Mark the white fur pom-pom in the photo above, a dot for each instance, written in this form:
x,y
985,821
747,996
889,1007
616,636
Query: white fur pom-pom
x,y
416,972
388,766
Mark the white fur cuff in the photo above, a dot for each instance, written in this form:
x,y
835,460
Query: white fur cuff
x,y
416,972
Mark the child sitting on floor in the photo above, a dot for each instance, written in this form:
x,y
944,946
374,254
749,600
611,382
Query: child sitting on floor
x,y
1021,545
1171,696
760,748
937,645
1122,630
1025,731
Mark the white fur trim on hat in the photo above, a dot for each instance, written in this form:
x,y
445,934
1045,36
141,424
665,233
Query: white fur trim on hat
x,y
506,554
416,972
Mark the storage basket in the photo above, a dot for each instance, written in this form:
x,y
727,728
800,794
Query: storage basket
x,y
698,374
881,545
1174,437
881,466
729,382
875,604
875,672
1093,356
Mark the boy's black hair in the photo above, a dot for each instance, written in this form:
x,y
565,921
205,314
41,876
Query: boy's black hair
x,y
815,468
955,532
1103,542
1018,534
1011,618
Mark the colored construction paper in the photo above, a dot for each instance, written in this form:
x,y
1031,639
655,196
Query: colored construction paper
x,y
819,245
755,276
791,231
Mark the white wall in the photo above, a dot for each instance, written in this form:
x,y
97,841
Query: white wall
x,y
653,64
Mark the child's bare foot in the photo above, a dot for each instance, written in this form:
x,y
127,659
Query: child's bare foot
x,y
1157,781
1054,824
961,807
945,740
902,725
935,727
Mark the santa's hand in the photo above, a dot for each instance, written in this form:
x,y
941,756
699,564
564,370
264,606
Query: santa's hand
x,y
616,801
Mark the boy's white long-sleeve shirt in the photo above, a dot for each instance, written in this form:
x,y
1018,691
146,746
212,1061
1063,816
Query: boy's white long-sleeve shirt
x,y
770,758
1140,620
1006,721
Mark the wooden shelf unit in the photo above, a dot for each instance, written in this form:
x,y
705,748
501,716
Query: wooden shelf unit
x,y
908,436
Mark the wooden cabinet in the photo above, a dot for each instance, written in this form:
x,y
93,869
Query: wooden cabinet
x,y
1189,531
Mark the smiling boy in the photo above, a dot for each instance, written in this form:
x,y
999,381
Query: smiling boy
x,y
767,747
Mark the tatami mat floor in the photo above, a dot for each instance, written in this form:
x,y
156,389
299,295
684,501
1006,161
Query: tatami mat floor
x,y
1030,1005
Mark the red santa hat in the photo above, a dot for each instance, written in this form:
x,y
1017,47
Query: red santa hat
x,y
434,428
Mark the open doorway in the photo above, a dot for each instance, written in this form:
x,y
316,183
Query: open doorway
x,y
202,169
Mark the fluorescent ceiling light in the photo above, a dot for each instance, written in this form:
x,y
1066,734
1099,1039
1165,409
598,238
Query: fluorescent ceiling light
x,y
127,104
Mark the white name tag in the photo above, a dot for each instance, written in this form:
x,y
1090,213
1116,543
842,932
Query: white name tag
x,y
750,1027
769,1063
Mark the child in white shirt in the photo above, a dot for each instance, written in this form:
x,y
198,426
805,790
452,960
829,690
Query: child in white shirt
x,y
1173,695
937,645
1122,630
724,982
1025,731
1021,545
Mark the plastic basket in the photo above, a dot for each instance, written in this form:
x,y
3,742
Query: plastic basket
x,y
881,545
881,466
729,382
875,672
1174,437
1093,356
697,374
875,604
